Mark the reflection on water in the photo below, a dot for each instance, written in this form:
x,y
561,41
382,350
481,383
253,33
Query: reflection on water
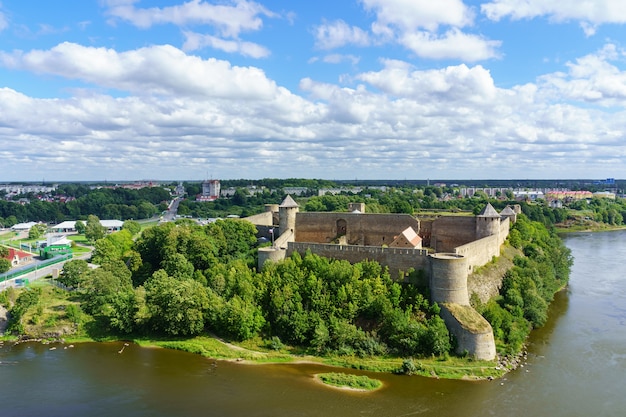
x,y
575,367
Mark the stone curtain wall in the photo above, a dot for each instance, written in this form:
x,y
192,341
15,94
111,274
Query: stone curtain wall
x,y
399,261
480,252
450,232
361,229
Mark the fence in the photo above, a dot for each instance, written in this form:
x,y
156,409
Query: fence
x,y
32,268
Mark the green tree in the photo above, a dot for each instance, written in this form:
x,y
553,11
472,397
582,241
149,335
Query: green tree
x,y
132,226
74,273
80,227
37,231
176,307
5,265
93,229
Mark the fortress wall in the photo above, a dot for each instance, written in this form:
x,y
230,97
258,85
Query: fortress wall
x,y
480,252
262,219
505,225
480,344
397,259
448,232
282,240
270,254
360,228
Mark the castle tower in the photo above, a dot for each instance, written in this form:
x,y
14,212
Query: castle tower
x,y
360,207
448,278
487,222
510,213
287,215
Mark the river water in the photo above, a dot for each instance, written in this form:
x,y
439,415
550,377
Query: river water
x,y
576,367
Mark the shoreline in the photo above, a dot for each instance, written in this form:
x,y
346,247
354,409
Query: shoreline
x,y
215,349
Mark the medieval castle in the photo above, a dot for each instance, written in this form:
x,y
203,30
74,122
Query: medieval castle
x,y
443,249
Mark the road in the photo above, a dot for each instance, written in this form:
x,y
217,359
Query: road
x,y
40,272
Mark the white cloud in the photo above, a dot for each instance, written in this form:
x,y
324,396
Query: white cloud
x,y
230,18
337,34
339,58
195,41
454,83
430,29
184,114
410,15
454,44
592,12
151,70
593,79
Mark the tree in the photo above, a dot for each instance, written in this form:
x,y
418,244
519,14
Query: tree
x,y
93,229
4,251
80,227
132,226
74,273
176,307
37,231
5,265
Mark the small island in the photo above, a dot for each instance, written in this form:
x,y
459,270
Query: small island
x,y
349,381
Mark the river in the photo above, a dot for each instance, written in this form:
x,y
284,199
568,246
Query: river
x,y
576,367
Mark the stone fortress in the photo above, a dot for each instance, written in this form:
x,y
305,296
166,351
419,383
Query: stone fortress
x,y
442,250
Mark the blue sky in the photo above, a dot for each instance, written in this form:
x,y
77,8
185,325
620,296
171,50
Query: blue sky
x,y
369,89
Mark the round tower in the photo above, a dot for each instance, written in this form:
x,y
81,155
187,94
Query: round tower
x,y
448,278
487,222
287,215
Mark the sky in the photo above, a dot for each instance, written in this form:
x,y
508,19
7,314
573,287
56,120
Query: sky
x,y
124,90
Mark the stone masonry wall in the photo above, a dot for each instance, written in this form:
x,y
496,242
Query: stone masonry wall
x,y
398,260
360,228
448,232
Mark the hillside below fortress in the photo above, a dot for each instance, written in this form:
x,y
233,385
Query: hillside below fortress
x,y
443,251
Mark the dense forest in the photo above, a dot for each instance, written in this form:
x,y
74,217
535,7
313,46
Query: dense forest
x,y
106,203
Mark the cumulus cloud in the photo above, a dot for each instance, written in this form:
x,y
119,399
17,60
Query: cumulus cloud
x,y
330,35
454,44
195,41
430,29
159,69
453,83
184,114
593,79
589,13
231,18
415,14
228,19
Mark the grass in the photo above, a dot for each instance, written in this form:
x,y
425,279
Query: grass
x,y
356,382
469,318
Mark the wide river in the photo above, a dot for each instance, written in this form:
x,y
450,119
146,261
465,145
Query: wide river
x,y
576,367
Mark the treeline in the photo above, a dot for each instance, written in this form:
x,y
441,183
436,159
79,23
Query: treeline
x,y
184,279
530,286
118,203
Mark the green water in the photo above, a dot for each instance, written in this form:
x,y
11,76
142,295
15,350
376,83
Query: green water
x,y
576,367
